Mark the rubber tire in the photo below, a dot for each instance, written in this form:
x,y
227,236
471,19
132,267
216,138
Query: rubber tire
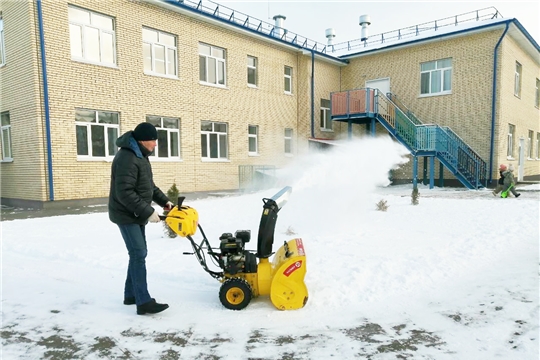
x,y
235,294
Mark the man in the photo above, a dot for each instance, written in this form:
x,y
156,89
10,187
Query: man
x,y
130,207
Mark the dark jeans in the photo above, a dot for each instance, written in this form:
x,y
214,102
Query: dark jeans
x,y
135,240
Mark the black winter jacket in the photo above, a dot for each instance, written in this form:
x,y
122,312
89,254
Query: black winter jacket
x,y
132,186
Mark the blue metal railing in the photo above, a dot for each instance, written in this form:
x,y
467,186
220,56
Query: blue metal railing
x,y
441,141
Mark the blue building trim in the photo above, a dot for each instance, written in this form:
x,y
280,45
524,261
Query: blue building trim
x,y
45,99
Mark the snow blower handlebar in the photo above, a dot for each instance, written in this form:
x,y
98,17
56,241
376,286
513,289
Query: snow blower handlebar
x,y
199,254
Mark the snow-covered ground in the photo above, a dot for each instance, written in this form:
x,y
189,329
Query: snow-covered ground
x,y
454,277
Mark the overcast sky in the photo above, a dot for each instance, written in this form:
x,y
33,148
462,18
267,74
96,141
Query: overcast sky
x,y
311,18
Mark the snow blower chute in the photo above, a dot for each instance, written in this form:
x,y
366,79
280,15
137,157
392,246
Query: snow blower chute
x,y
242,276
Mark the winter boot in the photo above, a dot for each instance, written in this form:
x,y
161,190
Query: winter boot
x,y
129,300
151,307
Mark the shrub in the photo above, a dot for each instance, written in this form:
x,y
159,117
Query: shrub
x,y
172,194
415,196
382,206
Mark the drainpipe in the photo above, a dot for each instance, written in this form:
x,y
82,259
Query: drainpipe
x,y
493,107
45,99
312,94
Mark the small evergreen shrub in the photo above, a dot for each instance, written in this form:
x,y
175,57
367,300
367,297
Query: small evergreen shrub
x,y
172,194
382,205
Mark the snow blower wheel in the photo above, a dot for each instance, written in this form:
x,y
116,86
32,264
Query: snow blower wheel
x,y
235,294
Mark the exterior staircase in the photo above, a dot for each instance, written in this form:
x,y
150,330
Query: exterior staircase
x,y
362,105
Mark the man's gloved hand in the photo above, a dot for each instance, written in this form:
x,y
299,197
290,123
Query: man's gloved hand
x,y
154,217
169,206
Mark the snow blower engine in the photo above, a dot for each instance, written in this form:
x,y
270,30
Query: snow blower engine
x,y
242,276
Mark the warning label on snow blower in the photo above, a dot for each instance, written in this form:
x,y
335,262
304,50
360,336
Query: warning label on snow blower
x,y
300,247
292,268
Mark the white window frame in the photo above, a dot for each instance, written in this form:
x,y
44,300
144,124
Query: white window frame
x,y
253,136
170,51
326,119
510,141
437,72
2,47
210,55
288,80
114,127
212,133
517,80
252,66
6,137
86,27
288,141
538,146
530,145
166,133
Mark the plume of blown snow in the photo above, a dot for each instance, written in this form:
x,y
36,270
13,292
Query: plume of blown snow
x,y
343,177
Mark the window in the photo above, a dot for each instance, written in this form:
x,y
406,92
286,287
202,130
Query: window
x,y
214,140
2,49
212,64
168,142
530,144
436,77
511,135
326,121
517,80
537,97
252,70
92,36
6,137
159,51
537,146
288,141
288,80
97,132
253,134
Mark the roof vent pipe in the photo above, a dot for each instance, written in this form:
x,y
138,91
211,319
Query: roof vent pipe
x,y
278,27
364,22
330,35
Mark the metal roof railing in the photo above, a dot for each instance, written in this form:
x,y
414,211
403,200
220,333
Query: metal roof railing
x,y
224,13
415,30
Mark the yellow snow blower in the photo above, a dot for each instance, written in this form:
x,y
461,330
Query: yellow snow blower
x,y
241,276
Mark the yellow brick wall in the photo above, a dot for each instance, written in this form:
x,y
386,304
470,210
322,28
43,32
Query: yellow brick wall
x,y
127,90
133,94
519,111
467,111
25,176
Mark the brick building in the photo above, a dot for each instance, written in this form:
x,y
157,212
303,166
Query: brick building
x,y
226,93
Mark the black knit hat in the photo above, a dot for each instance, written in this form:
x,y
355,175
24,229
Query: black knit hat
x,y
145,131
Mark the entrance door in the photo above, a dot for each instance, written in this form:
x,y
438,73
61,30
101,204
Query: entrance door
x,y
383,107
382,84
521,159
